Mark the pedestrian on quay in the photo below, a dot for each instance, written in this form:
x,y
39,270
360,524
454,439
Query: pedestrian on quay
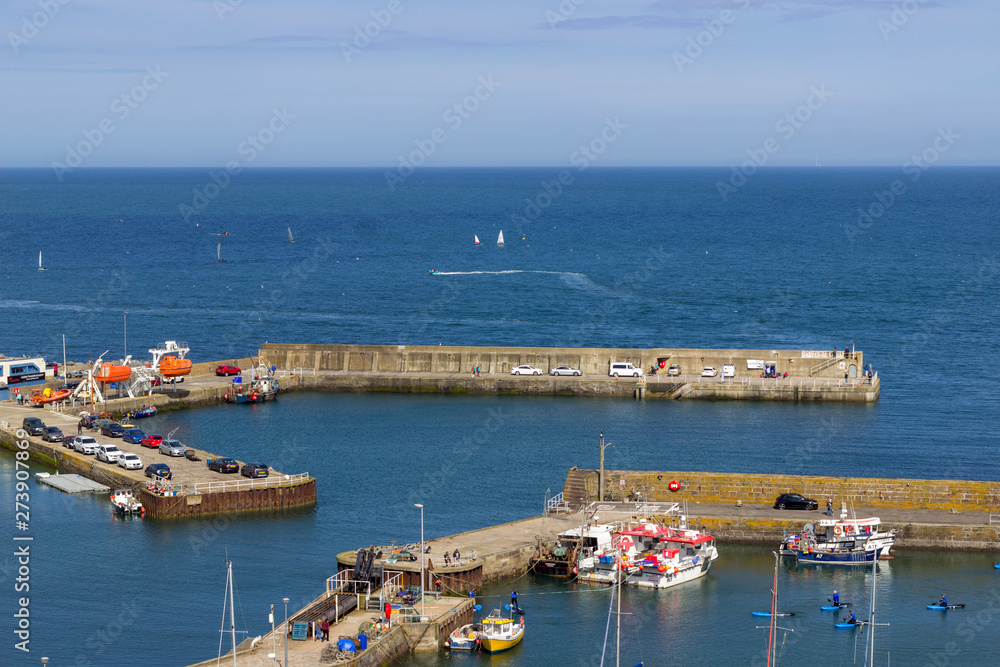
x,y
326,630
829,509
17,392
317,631
79,427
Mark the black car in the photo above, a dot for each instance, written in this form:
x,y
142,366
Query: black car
x,y
161,470
794,501
53,434
224,465
70,441
33,425
112,430
254,470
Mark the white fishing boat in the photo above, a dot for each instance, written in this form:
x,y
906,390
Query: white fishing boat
x,y
839,541
575,551
42,268
465,638
126,503
476,237
291,239
500,239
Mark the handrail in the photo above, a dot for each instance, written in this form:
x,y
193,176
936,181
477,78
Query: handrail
x,y
242,484
554,502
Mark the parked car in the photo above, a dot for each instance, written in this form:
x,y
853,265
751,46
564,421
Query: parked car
x,y
161,470
151,441
565,370
112,430
254,470
53,434
223,465
33,425
709,372
675,369
794,501
172,448
85,444
624,369
526,370
130,462
109,453
225,370
69,440
133,435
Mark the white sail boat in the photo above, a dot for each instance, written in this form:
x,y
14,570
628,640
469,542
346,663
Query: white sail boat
x,y
40,267
500,239
476,236
218,254
291,239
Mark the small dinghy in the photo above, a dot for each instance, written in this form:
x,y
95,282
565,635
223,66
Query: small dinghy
x,y
779,613
848,625
996,566
835,607
945,607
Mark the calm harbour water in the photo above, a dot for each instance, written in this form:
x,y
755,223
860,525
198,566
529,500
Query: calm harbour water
x,y
624,258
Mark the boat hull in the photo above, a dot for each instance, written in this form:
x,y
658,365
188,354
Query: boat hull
x,y
552,568
173,367
113,373
61,395
838,558
498,644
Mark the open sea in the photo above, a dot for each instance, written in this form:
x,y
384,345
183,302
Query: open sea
x,y
617,258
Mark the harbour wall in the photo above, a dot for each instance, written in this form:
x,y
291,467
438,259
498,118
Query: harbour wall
x,y
759,489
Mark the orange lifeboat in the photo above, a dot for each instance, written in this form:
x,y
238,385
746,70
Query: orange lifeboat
x,y
113,373
49,396
174,367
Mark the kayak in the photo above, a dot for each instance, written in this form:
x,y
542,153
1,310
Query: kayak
x,y
848,625
996,566
835,607
779,613
941,607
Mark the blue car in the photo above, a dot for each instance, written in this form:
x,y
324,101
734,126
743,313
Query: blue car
x,y
161,470
133,435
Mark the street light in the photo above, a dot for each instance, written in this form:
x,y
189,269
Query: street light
x,y
600,491
421,557
285,628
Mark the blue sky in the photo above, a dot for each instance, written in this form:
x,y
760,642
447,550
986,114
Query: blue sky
x,y
200,77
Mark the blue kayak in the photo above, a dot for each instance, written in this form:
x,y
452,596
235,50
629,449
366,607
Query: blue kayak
x,y
780,613
835,607
996,566
847,625
941,607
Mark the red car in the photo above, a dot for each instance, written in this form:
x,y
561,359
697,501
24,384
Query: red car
x,y
151,441
226,370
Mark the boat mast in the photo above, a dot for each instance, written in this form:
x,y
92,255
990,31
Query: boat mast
x,y
870,646
618,638
774,609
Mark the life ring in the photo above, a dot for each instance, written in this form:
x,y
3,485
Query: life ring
x,y
849,529
676,570
837,531
868,529
662,568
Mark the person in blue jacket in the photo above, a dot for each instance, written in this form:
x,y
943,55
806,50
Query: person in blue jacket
x,y
836,598
943,602
852,619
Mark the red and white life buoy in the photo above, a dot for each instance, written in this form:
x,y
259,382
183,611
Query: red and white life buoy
x,y
837,531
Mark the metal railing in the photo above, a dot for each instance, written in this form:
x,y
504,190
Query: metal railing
x,y
244,484
791,381
339,583
554,502
301,372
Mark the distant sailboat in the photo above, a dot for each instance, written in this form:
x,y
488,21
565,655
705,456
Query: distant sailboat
x,y
500,239
218,254
291,239
476,236
40,267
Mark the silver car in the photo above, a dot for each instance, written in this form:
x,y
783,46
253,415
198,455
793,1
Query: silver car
x,y
172,448
565,370
52,434
85,444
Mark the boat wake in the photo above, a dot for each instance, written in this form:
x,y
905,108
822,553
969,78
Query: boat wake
x,y
569,278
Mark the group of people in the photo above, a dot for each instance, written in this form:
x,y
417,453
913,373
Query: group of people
x,y
456,556
321,630
847,352
477,371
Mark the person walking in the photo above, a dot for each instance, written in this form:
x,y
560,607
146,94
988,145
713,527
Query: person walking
x,y
79,427
829,509
317,631
326,630
18,396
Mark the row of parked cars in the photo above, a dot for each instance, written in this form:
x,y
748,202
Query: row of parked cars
x,y
616,370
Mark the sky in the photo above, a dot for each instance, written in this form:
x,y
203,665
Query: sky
x,y
371,83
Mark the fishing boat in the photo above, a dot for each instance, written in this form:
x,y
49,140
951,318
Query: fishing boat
x,y
171,366
500,239
836,535
109,372
125,503
40,267
218,254
262,388
144,412
465,638
945,607
291,239
476,237
499,633
574,550
46,396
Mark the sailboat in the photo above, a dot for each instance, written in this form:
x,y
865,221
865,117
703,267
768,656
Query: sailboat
x,y
232,612
476,236
40,267
218,254
291,239
500,239
616,594
772,658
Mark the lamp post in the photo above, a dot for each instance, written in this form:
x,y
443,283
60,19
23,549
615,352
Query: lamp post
x,y
285,628
600,491
421,557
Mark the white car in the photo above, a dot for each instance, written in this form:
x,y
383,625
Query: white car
x,y
624,369
109,453
526,370
709,372
85,444
130,462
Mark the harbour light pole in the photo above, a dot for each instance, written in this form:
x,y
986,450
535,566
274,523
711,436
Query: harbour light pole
x,y
600,491
421,557
125,322
285,630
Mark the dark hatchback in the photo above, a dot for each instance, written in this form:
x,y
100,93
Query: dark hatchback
x,y
112,430
53,434
161,470
254,470
224,465
794,501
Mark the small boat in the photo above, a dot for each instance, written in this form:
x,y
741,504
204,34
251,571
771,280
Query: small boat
x,y
433,272
126,503
500,239
837,540
263,387
113,373
291,239
47,396
855,624
776,614
218,255
945,607
499,633
835,607
465,638
40,267
575,551
145,412
171,366
996,566
476,237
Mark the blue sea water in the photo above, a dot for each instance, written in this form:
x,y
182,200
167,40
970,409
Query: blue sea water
x,y
625,257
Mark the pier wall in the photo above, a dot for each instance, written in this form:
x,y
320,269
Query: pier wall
x,y
759,489
270,498
500,360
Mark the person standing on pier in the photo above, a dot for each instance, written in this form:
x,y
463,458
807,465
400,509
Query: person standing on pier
x,y
326,630
829,509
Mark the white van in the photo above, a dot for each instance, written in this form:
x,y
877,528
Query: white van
x,y
728,370
624,369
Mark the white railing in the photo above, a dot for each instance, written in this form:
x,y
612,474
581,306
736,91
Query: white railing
x,y
285,372
244,484
338,583
797,381
554,502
